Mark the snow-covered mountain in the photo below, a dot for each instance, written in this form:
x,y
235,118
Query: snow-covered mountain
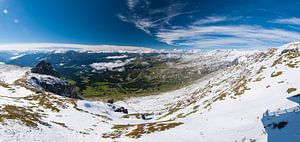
x,y
254,100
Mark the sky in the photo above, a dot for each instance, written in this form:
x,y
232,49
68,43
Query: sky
x,y
159,24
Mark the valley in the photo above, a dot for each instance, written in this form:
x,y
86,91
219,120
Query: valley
x,y
131,75
149,71
243,96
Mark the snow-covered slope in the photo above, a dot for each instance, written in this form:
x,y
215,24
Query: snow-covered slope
x,y
255,100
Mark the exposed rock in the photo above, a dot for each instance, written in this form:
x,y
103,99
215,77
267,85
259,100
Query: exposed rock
x,y
47,79
45,68
53,85
118,109
289,50
235,61
121,109
110,101
146,116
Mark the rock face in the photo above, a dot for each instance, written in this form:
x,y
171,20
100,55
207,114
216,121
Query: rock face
x,y
235,61
47,79
54,85
46,68
289,50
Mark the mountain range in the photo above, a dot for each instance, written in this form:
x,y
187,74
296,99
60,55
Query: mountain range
x,y
232,96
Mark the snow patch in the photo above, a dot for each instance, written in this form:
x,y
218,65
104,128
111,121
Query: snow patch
x,y
116,57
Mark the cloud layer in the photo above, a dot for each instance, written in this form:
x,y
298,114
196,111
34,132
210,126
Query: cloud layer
x,y
146,18
226,36
291,21
212,31
65,46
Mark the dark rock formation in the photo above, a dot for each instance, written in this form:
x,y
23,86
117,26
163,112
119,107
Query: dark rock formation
x,y
118,109
290,50
121,109
51,83
45,68
111,101
54,85
146,116
235,61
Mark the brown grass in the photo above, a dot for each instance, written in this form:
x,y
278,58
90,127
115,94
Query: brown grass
x,y
275,74
291,65
135,115
293,54
60,124
5,85
276,62
44,101
240,86
258,79
22,114
290,90
271,51
137,130
170,112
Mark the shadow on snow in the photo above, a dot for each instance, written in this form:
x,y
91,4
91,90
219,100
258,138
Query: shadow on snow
x,y
283,125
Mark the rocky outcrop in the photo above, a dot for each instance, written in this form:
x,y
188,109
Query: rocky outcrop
x,y
235,61
45,78
53,85
45,68
289,50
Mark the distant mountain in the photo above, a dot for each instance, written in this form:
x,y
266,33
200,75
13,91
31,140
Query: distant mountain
x,y
63,47
255,98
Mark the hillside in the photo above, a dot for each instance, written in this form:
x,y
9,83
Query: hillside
x,y
102,76
254,100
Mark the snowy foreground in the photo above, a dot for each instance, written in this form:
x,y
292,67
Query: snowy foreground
x,y
255,100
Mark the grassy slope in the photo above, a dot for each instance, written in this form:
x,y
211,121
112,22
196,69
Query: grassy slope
x,y
138,81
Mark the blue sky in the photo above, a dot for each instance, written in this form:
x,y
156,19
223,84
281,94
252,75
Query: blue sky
x,y
207,24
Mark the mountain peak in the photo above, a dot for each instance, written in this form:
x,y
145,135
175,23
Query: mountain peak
x,y
45,68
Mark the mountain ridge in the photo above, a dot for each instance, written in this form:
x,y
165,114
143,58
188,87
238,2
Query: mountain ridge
x,y
253,100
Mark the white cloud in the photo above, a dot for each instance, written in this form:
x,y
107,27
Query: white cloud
x,y
226,36
145,18
111,66
291,21
211,19
141,23
65,46
132,3
210,31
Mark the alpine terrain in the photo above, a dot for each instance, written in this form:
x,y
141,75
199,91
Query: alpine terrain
x,y
231,95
